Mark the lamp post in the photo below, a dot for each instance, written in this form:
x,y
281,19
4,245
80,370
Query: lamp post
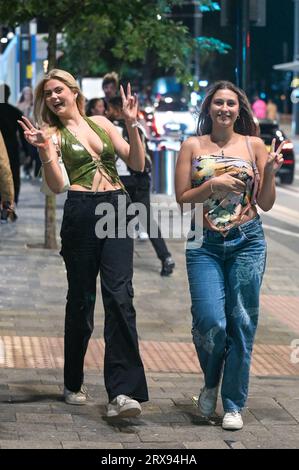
x,y
33,30
245,31
197,33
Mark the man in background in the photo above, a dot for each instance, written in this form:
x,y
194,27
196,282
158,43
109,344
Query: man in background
x,y
110,85
138,185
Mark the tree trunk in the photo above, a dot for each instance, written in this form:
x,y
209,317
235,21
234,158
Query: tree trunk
x,y
50,203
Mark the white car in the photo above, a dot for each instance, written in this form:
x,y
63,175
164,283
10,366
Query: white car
x,y
173,119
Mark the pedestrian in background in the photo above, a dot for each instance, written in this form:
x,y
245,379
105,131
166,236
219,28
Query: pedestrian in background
x,y
110,85
96,107
87,147
6,186
25,105
272,110
9,115
220,168
25,102
259,108
138,185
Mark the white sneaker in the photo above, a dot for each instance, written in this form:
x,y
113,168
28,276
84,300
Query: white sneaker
x,y
123,407
75,398
232,420
143,236
207,401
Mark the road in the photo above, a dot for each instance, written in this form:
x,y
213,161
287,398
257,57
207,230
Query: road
x,y
282,222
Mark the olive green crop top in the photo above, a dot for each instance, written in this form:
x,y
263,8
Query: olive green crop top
x,y
80,165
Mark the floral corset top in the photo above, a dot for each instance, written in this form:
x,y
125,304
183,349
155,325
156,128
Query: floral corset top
x,y
223,210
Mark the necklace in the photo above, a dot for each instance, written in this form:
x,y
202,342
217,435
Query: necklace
x,y
72,132
221,148
75,133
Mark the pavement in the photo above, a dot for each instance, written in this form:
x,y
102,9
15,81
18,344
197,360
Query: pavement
x,y
32,299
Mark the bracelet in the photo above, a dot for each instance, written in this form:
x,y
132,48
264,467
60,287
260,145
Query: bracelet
x,y
135,124
45,144
211,187
47,161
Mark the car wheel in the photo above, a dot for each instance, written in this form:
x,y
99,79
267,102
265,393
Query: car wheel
x,y
287,179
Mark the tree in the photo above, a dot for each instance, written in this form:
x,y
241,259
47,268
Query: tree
x,y
139,32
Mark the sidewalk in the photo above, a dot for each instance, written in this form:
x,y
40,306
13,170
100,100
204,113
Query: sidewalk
x,y
32,299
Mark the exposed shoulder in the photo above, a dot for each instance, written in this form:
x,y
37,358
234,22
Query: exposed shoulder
x,y
191,143
257,142
102,121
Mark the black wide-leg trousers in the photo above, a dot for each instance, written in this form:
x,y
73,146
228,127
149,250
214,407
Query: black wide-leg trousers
x,y
86,253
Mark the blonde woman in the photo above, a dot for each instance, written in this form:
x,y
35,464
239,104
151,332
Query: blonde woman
x,y
88,146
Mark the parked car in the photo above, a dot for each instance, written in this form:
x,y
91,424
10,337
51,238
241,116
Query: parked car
x,y
172,119
268,131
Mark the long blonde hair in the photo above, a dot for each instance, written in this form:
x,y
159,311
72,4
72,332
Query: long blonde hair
x,y
42,114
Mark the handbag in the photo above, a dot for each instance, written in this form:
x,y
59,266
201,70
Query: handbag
x,y
66,182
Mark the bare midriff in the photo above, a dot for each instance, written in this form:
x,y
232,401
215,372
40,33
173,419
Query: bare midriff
x,y
99,183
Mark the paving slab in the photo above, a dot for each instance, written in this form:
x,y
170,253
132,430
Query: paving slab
x,y
32,302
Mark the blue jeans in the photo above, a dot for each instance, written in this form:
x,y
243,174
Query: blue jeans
x,y
225,277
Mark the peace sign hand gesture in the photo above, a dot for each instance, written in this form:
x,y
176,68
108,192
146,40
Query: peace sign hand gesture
x,y
130,104
275,159
34,136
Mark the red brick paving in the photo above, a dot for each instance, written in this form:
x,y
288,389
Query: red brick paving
x,y
283,308
158,356
161,356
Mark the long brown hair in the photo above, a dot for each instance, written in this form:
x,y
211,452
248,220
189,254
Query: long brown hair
x,y
42,113
245,123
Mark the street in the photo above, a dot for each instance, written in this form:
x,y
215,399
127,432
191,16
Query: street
x,y
282,223
97,96
32,297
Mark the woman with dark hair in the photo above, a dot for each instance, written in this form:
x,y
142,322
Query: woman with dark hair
x,y
25,105
96,107
88,147
227,169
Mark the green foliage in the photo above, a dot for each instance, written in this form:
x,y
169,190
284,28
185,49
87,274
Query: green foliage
x,y
133,30
208,45
100,34
83,48
55,11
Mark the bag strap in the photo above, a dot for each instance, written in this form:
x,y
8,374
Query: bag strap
x,y
257,178
250,149
54,139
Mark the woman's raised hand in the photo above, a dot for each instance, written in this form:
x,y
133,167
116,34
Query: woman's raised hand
x,y
130,104
34,136
275,158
